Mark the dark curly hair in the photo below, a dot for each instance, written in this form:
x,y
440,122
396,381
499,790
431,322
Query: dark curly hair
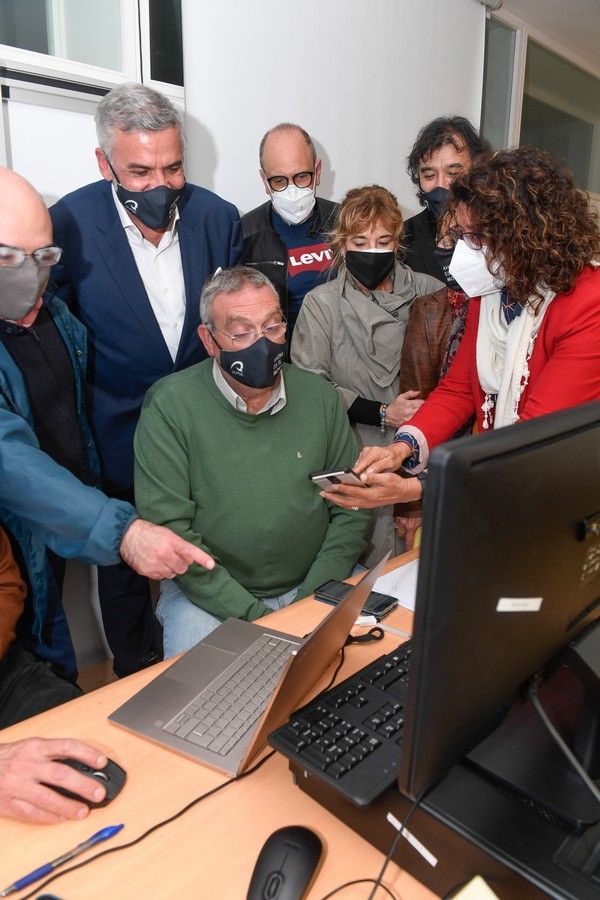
x,y
531,217
454,130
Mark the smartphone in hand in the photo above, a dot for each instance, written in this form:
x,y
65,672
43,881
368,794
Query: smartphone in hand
x,y
329,478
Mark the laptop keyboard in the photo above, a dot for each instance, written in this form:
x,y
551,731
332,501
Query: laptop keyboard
x,y
351,735
226,709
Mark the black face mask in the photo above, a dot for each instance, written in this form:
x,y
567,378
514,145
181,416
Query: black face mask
x,y
257,366
153,207
370,268
435,199
443,256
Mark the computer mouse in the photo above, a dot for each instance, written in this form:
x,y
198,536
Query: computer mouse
x,y
112,777
286,864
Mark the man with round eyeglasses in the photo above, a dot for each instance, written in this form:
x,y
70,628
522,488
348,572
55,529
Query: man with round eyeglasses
x,y
224,452
48,460
286,237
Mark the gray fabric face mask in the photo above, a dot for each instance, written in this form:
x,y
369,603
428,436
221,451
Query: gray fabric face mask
x,y
20,288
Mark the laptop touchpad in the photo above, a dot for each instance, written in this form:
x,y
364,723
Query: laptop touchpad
x,y
199,668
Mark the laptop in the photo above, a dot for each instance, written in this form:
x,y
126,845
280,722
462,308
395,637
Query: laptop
x,y
200,705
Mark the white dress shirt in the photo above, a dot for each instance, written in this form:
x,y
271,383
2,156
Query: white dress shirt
x,y
161,271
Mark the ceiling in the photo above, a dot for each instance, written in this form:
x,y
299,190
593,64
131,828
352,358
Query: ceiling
x,y
575,24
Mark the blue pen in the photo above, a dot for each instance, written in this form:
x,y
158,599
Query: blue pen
x,y
101,835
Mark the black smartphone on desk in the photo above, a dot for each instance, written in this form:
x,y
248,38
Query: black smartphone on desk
x,y
377,604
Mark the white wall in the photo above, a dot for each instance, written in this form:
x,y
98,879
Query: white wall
x,y
362,77
51,140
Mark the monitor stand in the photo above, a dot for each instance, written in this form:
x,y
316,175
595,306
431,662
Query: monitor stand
x,y
525,759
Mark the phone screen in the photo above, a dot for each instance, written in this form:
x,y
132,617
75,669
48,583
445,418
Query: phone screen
x,y
332,591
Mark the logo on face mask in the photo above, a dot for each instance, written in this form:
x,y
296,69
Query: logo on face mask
x,y
257,366
132,205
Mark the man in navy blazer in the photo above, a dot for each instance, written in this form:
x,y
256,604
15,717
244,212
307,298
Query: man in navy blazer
x,y
137,248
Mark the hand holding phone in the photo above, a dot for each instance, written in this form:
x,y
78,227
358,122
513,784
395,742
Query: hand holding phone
x,y
329,478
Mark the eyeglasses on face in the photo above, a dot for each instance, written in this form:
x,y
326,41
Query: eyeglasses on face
x,y
300,179
13,257
243,339
471,238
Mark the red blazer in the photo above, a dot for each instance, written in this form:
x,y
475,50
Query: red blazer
x,y
564,369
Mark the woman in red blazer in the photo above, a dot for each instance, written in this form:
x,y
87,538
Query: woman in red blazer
x,y
526,238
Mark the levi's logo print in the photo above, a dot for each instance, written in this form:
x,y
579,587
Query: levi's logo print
x,y
314,258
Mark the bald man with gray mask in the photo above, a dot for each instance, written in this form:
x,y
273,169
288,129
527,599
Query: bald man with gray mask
x,y
48,498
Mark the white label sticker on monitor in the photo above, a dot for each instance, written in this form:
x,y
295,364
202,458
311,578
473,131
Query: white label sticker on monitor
x,y
519,604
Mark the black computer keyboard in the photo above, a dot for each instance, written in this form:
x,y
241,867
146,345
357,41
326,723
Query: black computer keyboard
x,y
351,735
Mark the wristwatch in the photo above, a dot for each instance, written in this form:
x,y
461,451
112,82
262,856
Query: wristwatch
x,y
422,477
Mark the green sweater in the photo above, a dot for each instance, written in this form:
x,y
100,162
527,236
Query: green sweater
x,y
237,485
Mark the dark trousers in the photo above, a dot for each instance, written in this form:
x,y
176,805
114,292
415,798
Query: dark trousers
x,y
131,630
54,644
29,686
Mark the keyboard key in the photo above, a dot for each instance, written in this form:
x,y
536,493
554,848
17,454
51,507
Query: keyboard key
x,y
316,757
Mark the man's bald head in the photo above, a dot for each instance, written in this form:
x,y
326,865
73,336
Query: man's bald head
x,y
24,218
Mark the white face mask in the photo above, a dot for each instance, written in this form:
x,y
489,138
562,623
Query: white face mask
x,y
470,269
294,204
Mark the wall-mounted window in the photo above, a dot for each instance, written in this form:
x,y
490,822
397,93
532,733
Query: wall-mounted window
x,y
83,31
95,42
166,55
533,95
561,113
500,43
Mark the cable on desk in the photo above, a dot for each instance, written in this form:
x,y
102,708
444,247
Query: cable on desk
x,y
192,803
377,882
384,887
141,837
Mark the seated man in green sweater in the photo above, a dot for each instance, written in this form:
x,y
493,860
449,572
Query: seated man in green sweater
x,y
224,451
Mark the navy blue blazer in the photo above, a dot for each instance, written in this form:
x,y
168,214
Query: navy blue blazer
x,y
99,280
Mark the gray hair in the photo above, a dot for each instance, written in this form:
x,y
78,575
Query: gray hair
x,y
283,127
134,107
230,281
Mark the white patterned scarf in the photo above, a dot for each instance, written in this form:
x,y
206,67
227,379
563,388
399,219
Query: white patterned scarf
x,y
503,354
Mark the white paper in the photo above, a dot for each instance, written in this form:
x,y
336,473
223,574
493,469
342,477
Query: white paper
x,y
400,583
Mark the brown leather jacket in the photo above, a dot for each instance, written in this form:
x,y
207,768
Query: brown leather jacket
x,y
12,594
425,343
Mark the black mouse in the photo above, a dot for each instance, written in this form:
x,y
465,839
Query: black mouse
x,y
286,864
112,777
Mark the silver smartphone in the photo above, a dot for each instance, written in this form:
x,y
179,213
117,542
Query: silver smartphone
x,y
329,478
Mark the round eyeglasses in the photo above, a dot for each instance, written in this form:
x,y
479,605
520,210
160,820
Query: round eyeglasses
x,y
12,257
471,238
300,179
243,339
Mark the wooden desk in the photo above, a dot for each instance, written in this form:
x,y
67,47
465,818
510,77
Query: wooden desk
x,y
211,851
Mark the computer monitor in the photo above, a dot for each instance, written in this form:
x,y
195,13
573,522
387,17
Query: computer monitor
x,y
509,574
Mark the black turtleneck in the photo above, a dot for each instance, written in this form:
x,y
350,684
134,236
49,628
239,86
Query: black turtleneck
x,y
44,362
